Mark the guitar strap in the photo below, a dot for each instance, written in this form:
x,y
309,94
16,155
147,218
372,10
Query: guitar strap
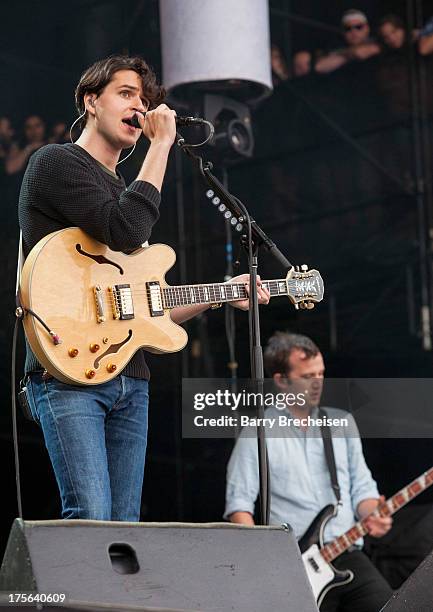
x,y
330,456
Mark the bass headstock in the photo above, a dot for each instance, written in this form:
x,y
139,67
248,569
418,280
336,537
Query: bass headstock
x,y
304,287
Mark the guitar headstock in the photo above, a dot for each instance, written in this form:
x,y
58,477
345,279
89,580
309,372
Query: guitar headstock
x,y
304,287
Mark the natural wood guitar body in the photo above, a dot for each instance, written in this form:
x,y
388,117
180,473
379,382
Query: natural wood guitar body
x,y
58,281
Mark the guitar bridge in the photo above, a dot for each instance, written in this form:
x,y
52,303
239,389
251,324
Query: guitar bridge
x,y
121,302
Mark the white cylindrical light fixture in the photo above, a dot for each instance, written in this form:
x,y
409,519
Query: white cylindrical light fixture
x,y
216,46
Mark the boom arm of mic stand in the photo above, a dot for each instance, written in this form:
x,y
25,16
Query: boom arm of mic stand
x,y
237,208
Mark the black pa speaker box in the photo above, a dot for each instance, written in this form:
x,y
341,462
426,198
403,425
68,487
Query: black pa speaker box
x,y
416,594
157,566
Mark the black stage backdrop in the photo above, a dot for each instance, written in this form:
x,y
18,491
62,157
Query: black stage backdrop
x,y
339,200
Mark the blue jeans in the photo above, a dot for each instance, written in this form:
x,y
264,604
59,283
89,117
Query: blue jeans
x,y
96,438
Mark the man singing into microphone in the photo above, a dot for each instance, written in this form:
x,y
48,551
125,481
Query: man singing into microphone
x,y
96,435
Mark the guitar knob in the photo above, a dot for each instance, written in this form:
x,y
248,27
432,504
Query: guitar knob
x,y
111,367
302,305
304,268
94,348
310,305
90,373
73,352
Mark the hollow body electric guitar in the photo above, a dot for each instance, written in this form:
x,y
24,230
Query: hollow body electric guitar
x,y
318,557
88,309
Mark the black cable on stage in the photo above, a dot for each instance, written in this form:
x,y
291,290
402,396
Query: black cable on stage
x,y
14,415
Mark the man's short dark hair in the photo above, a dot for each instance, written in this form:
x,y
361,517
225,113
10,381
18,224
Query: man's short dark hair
x,y
279,348
98,75
394,20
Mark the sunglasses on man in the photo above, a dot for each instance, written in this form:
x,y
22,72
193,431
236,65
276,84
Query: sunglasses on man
x,y
355,26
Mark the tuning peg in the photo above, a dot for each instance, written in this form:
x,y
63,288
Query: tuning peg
x,y
297,268
302,305
296,306
310,305
304,268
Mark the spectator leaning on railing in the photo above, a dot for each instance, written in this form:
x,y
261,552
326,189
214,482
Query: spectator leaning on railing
x,y
59,133
34,138
280,71
392,32
302,62
301,65
359,44
425,40
6,139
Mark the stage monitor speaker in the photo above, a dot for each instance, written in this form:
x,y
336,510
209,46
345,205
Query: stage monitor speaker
x,y
157,566
416,594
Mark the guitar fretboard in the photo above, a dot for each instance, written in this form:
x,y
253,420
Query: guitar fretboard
x,y
214,293
338,546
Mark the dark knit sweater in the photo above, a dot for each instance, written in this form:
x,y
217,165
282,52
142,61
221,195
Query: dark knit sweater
x,y
63,187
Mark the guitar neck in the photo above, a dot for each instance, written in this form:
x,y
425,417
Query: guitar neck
x,y
217,292
338,546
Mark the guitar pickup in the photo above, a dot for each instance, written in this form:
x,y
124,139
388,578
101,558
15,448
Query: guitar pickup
x,y
313,564
121,302
155,299
99,304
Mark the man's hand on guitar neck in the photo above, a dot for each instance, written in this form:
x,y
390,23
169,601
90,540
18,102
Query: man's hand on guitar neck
x,y
263,293
377,526
184,313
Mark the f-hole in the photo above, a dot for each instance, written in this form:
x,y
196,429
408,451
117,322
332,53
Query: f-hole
x,y
123,559
100,259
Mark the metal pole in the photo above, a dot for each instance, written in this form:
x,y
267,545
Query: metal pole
x,y
229,314
332,309
419,185
427,158
184,363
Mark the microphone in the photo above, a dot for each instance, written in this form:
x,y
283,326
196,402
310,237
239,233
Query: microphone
x,y
182,121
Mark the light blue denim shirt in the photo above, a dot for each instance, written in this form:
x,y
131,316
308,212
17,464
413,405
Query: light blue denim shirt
x,y
300,480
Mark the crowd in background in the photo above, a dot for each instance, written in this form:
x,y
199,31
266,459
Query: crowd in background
x,y
17,146
391,36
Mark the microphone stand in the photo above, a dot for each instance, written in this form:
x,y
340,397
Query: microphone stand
x,y
255,239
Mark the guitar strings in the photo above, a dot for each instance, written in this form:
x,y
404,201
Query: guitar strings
x,y
181,295
213,287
